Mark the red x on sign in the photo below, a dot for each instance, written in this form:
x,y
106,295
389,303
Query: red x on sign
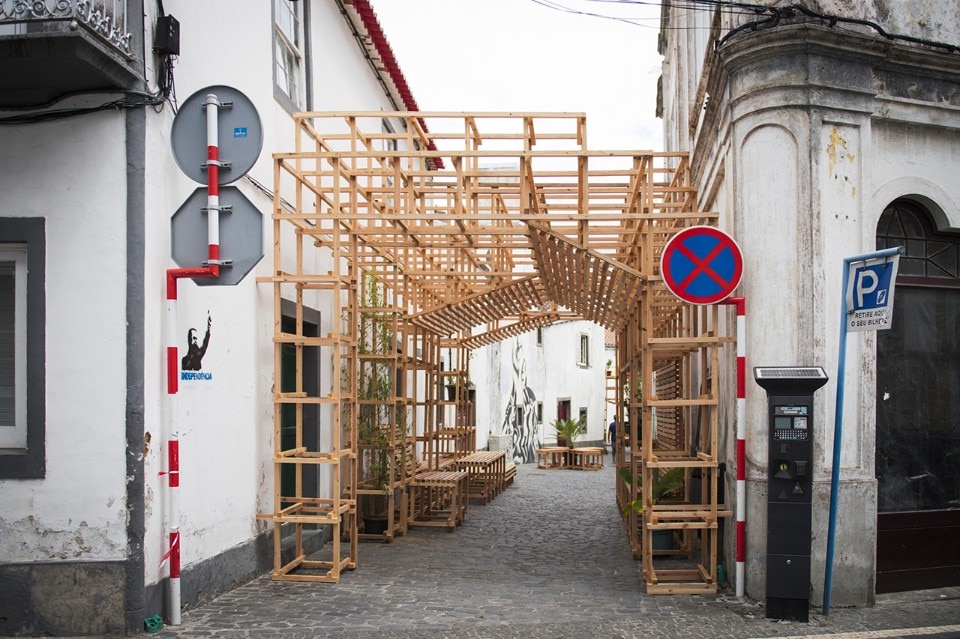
x,y
701,265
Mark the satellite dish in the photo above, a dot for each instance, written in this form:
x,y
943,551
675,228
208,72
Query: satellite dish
x,y
239,130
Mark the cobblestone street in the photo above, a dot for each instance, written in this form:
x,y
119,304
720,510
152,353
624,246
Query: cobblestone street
x,y
547,558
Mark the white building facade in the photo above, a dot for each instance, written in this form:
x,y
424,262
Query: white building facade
x,y
527,382
85,245
818,133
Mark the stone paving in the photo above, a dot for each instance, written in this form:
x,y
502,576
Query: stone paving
x,y
547,558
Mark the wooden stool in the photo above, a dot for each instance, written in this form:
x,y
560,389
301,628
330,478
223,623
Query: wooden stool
x,y
588,458
439,499
552,457
487,473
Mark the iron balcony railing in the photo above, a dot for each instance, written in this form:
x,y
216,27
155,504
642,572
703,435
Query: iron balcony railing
x,y
107,19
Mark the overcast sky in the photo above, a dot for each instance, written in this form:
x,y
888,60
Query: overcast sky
x,y
520,55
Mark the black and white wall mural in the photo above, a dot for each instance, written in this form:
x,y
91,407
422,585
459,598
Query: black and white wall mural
x,y
520,417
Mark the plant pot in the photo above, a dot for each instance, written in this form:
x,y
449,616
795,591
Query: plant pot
x,y
375,525
662,540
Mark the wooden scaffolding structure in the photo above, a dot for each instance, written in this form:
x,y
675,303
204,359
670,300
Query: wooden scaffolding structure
x,y
418,247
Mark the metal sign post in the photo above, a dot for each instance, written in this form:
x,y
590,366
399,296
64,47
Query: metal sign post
x,y
866,305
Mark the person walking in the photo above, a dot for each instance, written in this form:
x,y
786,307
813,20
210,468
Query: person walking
x,y
613,439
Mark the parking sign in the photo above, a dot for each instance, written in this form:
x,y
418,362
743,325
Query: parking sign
x,y
870,286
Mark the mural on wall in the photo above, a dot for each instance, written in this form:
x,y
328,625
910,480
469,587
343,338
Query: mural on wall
x,y
520,418
193,359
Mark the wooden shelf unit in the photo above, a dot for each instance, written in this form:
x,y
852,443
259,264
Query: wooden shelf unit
x,y
492,225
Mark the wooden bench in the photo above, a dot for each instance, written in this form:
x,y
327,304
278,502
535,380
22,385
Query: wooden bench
x,y
487,473
586,458
509,474
573,458
439,498
552,457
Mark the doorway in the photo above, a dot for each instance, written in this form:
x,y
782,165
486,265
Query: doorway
x,y
918,404
311,386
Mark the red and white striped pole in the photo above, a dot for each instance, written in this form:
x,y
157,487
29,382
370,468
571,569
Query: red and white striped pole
x,y
741,441
173,452
213,184
212,269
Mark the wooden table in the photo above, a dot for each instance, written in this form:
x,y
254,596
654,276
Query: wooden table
x,y
586,458
552,457
439,498
487,473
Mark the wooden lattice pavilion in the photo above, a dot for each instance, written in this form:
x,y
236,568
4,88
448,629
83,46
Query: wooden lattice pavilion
x,y
418,247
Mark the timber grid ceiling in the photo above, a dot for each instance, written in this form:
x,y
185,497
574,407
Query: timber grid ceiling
x,y
506,221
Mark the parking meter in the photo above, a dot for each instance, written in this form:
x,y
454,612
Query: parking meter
x,y
789,486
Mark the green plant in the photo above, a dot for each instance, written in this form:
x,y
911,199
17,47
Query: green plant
x,y
377,419
664,485
569,429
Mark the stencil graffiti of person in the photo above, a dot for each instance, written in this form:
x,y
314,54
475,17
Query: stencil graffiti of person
x,y
193,360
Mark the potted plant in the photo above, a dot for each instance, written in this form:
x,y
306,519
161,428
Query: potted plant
x,y
667,485
374,474
568,430
450,382
376,426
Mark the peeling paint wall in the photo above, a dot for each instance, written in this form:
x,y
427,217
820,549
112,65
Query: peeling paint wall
x,y
77,515
811,133
226,424
929,19
78,511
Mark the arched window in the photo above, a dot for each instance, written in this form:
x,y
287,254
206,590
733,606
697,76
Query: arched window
x,y
931,259
918,367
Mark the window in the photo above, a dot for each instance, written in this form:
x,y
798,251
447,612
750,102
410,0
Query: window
x,y
584,357
13,346
539,337
288,38
539,412
22,354
583,417
389,143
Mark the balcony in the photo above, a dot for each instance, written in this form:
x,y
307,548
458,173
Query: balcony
x,y
50,49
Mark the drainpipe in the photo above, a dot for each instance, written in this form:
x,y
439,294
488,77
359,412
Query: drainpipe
x,y
741,305
212,269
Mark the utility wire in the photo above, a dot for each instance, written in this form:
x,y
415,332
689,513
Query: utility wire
x,y
775,15
766,17
132,100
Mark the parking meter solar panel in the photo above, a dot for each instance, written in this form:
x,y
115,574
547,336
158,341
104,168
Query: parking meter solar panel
x,y
790,380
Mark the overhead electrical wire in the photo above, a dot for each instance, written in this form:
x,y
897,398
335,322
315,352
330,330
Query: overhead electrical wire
x,y
766,17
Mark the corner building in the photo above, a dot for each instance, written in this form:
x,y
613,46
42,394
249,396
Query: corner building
x,y
819,132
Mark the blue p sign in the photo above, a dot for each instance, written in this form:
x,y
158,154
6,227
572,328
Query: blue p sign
x,y
871,285
870,293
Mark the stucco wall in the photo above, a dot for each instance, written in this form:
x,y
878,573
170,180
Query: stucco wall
x,y
518,371
807,135
226,424
78,511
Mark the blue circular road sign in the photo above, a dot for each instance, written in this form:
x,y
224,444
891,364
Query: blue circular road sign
x,y
701,265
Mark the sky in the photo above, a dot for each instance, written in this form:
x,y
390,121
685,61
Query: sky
x,y
528,55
